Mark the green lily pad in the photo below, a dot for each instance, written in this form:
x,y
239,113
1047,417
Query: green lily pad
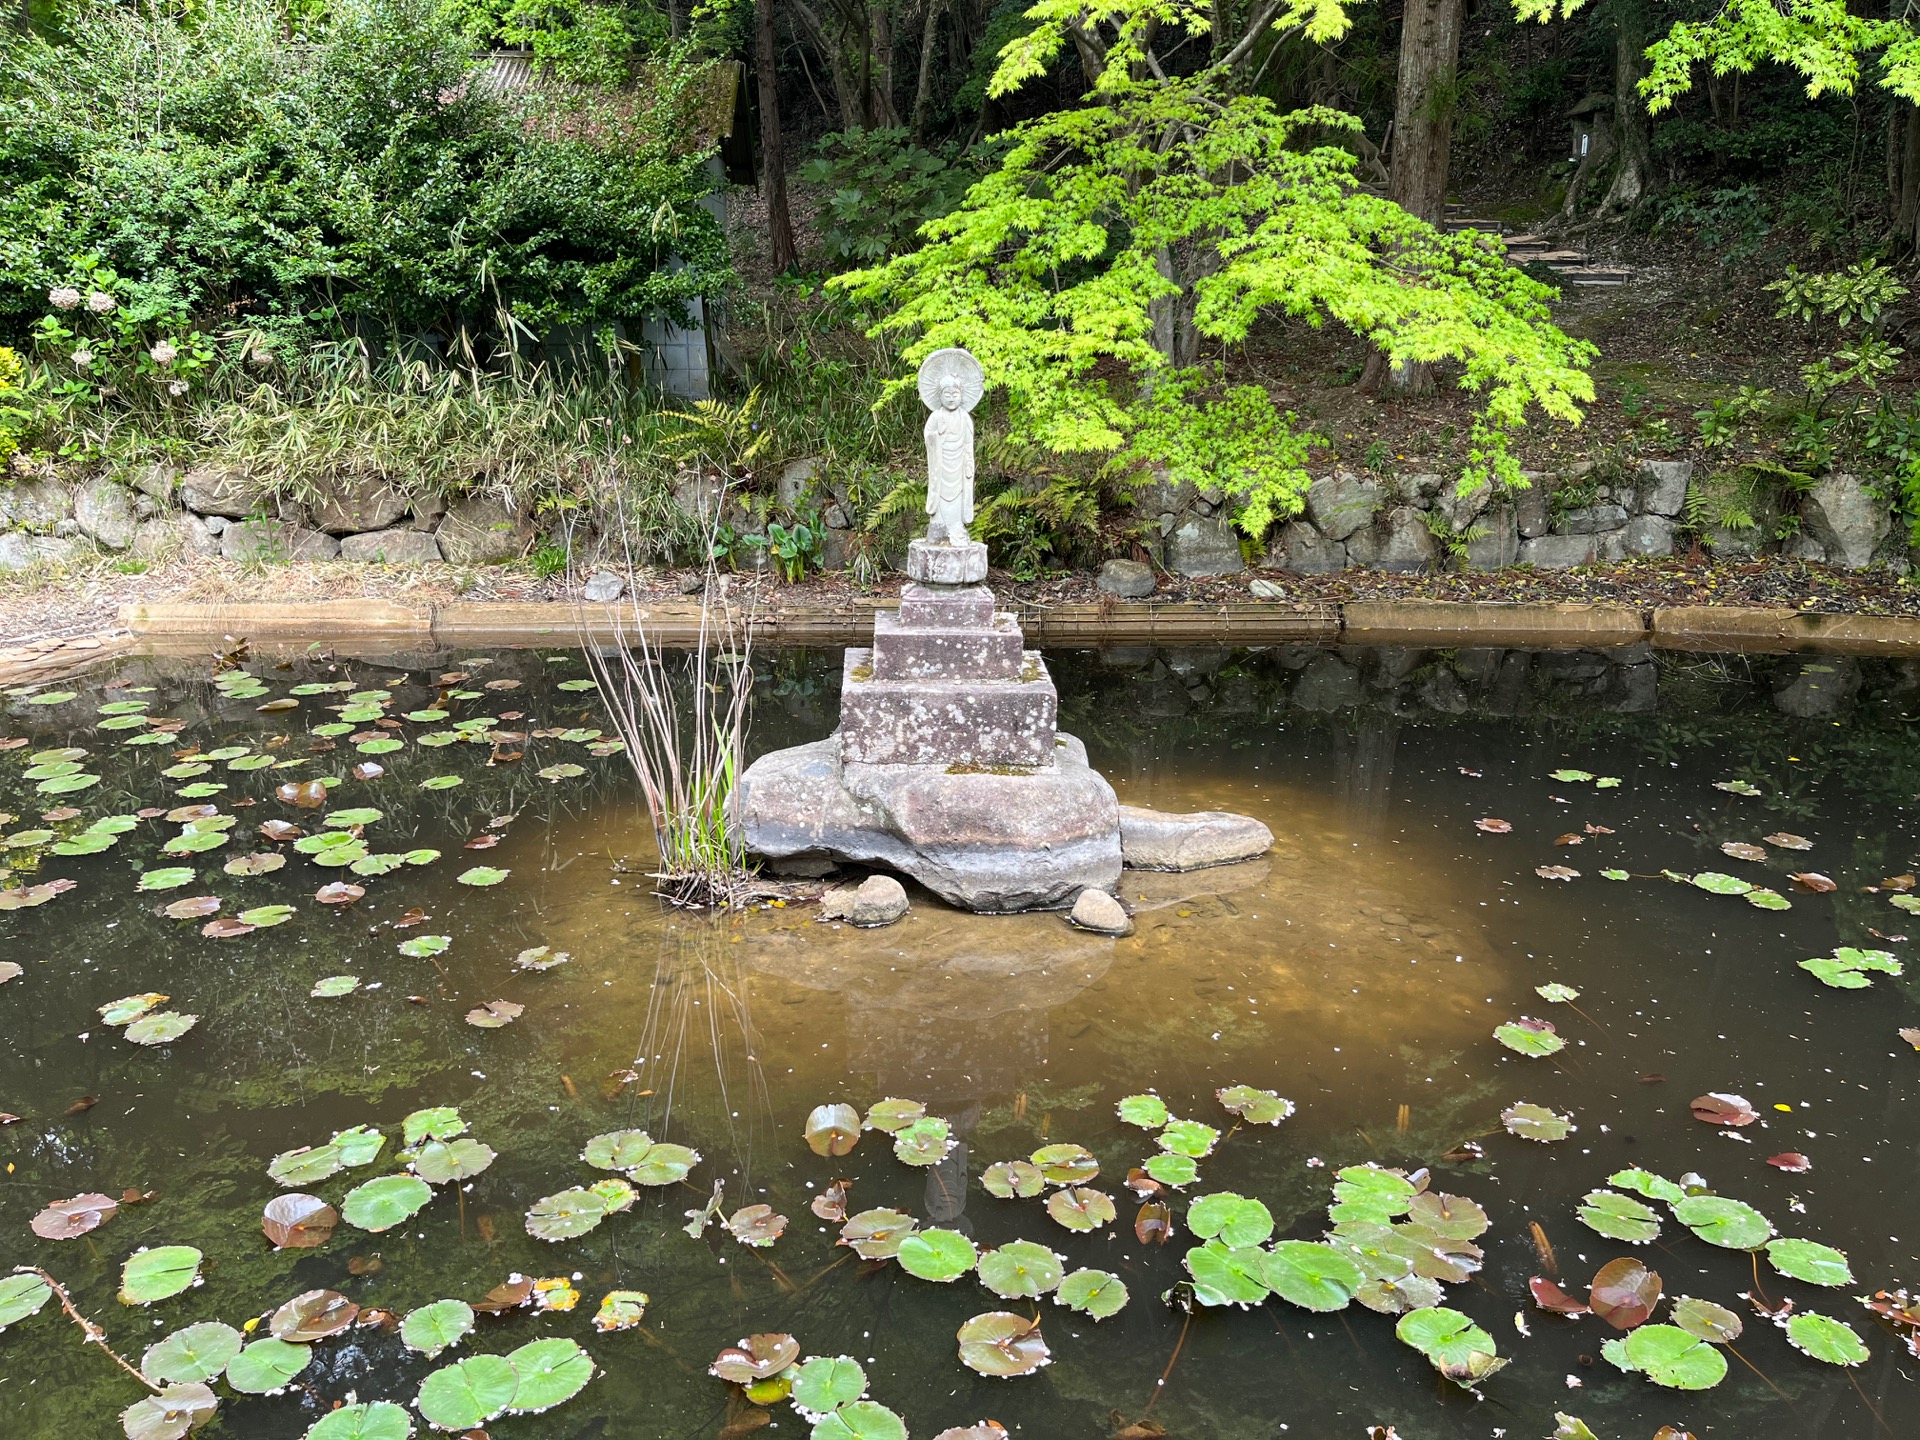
x,y
925,1142
359,1146
384,864
421,857
566,1215
1256,1107
1189,1138
161,1027
1224,1275
1081,1210
1097,1293
1537,1122
1065,1164
1762,898
1370,1192
552,1371
1459,1349
1558,994
20,1297
937,1255
332,987
1234,1219
437,1327
436,1122
158,1274
1019,1269
1149,1112
469,1393
439,1162
193,1354
1645,1182
380,745
352,819
1805,1260
560,772
1618,1217
825,1383
441,782
1820,1338
1669,1356
1533,1038
1312,1276
1730,1224
420,947
265,916
67,784
85,844
1612,874
1174,1170
371,1420
267,1366
1716,883
1010,1179
482,875
305,1166
382,1203
877,1234
168,879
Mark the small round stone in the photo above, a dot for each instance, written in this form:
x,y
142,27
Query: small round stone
x,y
1099,912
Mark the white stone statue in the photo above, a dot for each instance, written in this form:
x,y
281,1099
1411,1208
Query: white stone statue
x,y
951,384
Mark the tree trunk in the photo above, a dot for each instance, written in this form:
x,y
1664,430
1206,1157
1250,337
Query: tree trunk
x,y
1909,211
773,161
880,43
1423,106
848,93
923,89
1631,126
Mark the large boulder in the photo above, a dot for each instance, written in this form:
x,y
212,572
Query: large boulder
x,y
1127,579
1159,840
1559,552
348,504
1663,486
1204,545
1404,544
35,504
982,841
1642,535
23,552
392,547
276,541
1305,551
177,533
214,490
483,530
698,497
1343,502
1846,520
104,510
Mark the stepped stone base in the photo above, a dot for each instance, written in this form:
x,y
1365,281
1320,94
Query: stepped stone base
x,y
993,651
986,842
974,722
937,563
945,606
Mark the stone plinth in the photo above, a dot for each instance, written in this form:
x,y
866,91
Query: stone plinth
x,y
966,721
993,651
946,605
936,563
983,841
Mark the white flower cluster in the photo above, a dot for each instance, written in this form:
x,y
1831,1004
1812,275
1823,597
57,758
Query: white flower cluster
x,y
163,353
99,302
63,297
82,359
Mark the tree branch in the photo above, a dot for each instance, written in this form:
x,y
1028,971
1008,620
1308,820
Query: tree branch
x,y
95,1335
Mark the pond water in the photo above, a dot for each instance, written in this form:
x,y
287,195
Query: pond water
x,y
1359,971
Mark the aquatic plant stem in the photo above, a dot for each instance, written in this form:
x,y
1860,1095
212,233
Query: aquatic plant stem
x,y
1852,1380
95,1335
1173,1359
1761,1373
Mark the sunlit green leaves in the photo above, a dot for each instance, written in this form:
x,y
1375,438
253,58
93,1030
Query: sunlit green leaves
x,y
1730,1224
373,1420
938,1255
830,1129
1020,1269
267,1366
1533,1038
1189,1138
482,875
1618,1217
1234,1219
1310,1275
1824,1339
1851,968
384,1202
1147,1111
468,1393
195,1353
1645,1182
1537,1122
549,1372
1456,1347
1669,1356
1092,1292
1010,1179
1227,1275
825,1383
20,1297
925,1142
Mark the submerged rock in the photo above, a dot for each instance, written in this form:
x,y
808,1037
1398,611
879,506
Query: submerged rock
x,y
1098,911
987,840
1158,840
876,900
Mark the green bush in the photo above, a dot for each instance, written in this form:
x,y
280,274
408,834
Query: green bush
x,y
346,174
881,188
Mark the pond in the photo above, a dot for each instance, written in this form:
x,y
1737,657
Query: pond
x,y
1455,830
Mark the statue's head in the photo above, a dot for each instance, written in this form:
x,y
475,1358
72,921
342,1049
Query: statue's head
x,y
951,394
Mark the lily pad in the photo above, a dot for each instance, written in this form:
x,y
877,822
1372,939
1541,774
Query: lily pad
x,y
166,879
754,1225
1533,1038
1002,1345
1014,1178
925,1142
1256,1107
1625,1293
1227,1275
1716,883
263,863
159,1274
1814,1263
566,1215
173,1413
1730,1224
1149,1112
1312,1276
825,1383
440,1162
70,1219
20,1297
371,1420
1711,1322
1187,1137
420,947
264,916
1669,1356
1092,1292
832,1129
1459,1349
298,1222
1020,1269
937,1255
1081,1210
1618,1217
305,1166
1645,1182
1537,1122
1234,1219
468,1393
1065,1164
552,1371
482,875
130,1008
624,1309
1173,1170
877,1234
384,1202
1820,1338
312,1316
894,1116
1558,994
162,1027
192,1354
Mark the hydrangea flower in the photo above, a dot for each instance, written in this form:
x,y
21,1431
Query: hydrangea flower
x,y
163,353
82,359
176,387
63,297
99,302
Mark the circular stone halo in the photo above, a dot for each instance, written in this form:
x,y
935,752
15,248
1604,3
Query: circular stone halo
x,y
951,364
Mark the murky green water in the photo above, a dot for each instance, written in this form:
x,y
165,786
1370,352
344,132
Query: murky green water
x,y
1359,971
